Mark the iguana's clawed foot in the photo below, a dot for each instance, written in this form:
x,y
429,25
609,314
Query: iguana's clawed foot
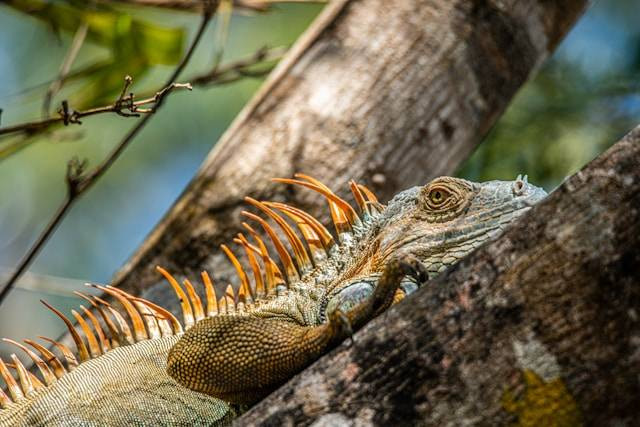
x,y
388,283
341,320
413,267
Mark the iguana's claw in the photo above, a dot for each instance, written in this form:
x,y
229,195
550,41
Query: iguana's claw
x,y
412,266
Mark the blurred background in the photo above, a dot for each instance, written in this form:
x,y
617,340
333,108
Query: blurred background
x,y
583,99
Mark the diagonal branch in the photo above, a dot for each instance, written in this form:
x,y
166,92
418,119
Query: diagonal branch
x,y
78,182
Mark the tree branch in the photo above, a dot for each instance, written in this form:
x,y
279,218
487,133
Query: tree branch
x,y
539,327
236,70
78,182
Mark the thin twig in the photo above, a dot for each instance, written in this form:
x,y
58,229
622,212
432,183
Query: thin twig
x,y
223,19
30,127
72,75
186,5
264,5
78,182
67,115
56,85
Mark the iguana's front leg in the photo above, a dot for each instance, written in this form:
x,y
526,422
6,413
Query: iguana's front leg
x,y
242,358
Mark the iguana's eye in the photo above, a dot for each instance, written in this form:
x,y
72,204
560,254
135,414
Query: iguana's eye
x,y
444,198
437,196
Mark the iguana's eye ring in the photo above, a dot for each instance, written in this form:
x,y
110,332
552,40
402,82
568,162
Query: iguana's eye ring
x,y
445,198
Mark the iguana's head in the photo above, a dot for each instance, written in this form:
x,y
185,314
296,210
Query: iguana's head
x,y
446,219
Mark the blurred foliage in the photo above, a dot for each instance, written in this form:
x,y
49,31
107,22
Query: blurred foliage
x,y
133,44
582,100
30,55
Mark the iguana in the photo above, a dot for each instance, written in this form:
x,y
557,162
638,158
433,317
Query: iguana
x,y
142,366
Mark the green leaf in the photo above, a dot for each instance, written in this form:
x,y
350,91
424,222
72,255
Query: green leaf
x,y
108,27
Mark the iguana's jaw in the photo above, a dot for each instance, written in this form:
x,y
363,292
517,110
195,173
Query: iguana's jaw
x,y
441,237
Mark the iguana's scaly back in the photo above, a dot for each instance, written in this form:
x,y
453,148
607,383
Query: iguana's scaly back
x,y
126,386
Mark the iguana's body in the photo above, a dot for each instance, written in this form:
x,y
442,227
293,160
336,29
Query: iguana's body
x,y
246,345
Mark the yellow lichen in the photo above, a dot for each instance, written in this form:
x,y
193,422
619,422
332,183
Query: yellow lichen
x,y
543,403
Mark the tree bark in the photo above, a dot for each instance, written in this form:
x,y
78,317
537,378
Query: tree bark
x,y
540,327
391,93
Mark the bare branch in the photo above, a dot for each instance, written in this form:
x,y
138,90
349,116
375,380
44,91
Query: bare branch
x,y
223,18
67,115
156,98
264,5
78,182
30,128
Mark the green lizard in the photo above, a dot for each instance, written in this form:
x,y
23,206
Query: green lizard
x,y
152,369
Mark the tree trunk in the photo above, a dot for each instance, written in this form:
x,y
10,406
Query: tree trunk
x,y
540,327
391,93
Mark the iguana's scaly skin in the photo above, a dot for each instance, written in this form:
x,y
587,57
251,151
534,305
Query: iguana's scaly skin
x,y
126,386
248,345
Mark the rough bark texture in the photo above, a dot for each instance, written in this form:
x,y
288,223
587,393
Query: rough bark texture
x,y
392,93
539,327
